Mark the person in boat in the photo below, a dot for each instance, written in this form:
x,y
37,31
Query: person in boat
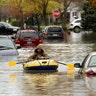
x,y
38,54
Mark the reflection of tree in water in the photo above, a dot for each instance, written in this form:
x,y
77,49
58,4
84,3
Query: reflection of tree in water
x,y
89,37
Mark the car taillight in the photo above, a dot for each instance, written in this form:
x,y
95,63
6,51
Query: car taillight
x,y
17,41
46,34
62,34
40,41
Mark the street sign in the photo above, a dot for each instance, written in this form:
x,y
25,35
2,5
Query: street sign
x,y
56,13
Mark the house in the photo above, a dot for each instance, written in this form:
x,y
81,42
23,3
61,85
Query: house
x,y
74,11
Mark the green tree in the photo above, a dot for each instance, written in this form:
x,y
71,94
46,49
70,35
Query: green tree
x,y
37,8
2,4
45,7
20,9
89,17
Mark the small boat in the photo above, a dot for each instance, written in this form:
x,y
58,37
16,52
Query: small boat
x,y
41,65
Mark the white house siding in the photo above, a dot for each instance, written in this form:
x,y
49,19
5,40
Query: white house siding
x,y
74,11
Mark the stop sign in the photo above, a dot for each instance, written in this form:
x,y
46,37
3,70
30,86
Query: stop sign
x,y
56,13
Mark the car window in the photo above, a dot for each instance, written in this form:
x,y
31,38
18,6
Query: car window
x,y
1,25
29,35
92,62
54,29
6,44
78,21
6,25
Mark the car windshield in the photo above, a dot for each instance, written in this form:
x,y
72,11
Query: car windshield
x,y
6,44
92,62
7,24
29,35
54,29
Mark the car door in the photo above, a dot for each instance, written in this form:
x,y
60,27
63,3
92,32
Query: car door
x,y
2,29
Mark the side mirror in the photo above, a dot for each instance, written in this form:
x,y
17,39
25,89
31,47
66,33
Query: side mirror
x,y
77,65
12,37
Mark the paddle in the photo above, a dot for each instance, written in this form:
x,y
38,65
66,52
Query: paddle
x,y
70,66
13,63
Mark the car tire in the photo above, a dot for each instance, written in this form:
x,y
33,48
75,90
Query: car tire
x,y
77,29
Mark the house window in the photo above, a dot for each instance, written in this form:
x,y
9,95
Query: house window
x,y
75,15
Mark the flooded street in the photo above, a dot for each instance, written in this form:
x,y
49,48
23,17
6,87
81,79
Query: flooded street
x,y
65,82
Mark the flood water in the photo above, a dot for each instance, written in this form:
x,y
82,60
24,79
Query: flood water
x,y
65,82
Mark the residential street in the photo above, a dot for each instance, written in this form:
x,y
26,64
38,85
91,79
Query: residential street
x,y
65,82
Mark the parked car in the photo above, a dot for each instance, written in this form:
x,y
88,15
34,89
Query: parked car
x,y
7,48
88,65
7,29
53,31
75,25
26,38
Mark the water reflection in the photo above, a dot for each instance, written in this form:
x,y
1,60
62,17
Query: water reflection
x,y
74,38
54,40
49,84
53,84
90,83
42,83
12,78
89,37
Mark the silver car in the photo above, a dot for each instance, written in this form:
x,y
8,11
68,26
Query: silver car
x,y
7,48
88,65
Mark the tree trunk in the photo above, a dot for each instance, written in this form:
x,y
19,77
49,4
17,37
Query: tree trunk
x,y
64,18
38,24
45,16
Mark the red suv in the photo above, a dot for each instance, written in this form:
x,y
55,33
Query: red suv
x,y
26,38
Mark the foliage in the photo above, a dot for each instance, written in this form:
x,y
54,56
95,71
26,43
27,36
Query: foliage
x,y
39,10
93,3
17,7
89,17
53,5
22,9
15,22
2,3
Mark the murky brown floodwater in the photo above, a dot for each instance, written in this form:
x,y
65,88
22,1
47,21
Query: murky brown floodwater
x,y
65,82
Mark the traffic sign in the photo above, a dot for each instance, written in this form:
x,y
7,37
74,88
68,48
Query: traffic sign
x,y
56,13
